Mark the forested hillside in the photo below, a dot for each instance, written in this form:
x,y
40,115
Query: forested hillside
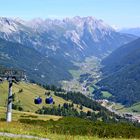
x,y
37,67
121,74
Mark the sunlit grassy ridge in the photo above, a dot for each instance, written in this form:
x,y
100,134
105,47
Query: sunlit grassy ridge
x,y
30,91
26,97
18,115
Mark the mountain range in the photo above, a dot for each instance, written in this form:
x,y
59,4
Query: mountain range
x,y
46,49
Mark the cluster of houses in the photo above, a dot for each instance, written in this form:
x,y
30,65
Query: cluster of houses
x,y
132,117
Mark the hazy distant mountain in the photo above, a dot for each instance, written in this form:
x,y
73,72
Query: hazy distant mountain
x,y
62,41
122,73
133,31
37,67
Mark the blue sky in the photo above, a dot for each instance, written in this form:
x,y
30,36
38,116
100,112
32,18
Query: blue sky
x,y
122,13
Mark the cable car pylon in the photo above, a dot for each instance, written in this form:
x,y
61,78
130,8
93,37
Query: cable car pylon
x,y
9,102
11,76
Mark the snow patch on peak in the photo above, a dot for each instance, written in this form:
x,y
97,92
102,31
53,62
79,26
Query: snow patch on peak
x,y
8,25
72,34
19,20
74,37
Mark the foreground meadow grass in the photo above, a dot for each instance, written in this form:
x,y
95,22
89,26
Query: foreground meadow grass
x,y
7,138
19,128
62,137
37,127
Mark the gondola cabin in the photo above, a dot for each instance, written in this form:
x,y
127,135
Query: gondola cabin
x,y
38,100
49,100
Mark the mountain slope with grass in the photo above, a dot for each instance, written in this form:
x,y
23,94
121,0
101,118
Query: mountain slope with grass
x,y
65,103
121,74
25,93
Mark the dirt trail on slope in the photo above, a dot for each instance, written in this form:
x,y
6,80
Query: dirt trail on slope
x,y
21,136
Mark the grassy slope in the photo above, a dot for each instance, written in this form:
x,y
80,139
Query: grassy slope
x,y
61,137
18,128
7,138
30,129
18,115
135,108
106,94
30,91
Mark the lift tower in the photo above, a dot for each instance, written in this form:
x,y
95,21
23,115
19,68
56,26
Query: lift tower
x,y
11,76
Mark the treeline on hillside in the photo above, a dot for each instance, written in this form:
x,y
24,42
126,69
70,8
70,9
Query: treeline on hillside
x,y
69,110
81,100
53,88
